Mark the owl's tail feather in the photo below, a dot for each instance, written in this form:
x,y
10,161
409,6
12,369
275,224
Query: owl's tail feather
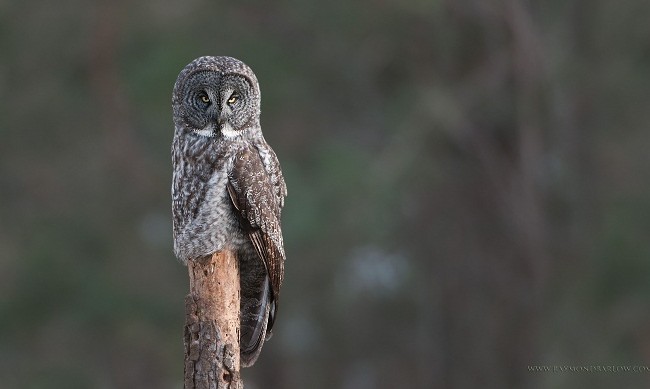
x,y
254,321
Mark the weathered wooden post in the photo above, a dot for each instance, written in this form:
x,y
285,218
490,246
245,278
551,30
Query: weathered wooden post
x,y
212,323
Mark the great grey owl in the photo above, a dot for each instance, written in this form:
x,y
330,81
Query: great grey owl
x,y
227,186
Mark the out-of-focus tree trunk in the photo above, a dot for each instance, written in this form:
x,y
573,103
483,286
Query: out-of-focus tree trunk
x,y
212,324
123,154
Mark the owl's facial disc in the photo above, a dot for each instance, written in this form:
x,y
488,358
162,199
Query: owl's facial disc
x,y
219,104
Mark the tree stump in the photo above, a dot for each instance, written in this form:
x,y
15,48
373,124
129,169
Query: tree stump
x,y
211,335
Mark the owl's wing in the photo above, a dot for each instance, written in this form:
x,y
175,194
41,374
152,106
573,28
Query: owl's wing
x,y
256,197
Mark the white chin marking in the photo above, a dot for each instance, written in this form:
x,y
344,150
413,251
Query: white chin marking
x,y
228,131
205,132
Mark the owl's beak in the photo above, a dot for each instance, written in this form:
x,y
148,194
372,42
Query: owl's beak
x,y
222,123
221,120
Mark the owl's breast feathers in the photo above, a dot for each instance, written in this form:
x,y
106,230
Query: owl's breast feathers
x,y
257,191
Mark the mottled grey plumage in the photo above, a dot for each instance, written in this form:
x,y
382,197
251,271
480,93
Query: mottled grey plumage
x,y
227,186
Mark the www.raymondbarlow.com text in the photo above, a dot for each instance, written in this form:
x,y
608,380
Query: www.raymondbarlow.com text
x,y
588,369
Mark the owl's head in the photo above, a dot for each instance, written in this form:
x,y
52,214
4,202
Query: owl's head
x,y
216,96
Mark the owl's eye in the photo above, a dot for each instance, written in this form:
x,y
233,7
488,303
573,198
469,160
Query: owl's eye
x,y
233,98
204,98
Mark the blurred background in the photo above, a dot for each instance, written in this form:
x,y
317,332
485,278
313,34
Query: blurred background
x,y
469,192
